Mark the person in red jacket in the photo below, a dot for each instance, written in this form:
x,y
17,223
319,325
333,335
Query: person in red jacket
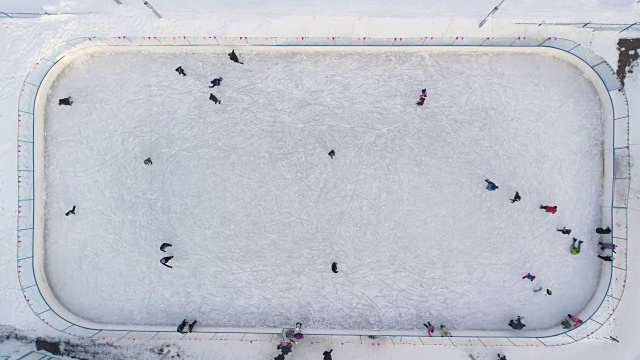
x,y
549,209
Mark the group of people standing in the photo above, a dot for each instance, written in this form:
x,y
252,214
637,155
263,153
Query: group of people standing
x,y
575,249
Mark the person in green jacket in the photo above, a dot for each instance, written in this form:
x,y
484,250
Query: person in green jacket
x,y
575,250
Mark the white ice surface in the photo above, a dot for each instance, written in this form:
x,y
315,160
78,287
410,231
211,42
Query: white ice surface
x,y
257,211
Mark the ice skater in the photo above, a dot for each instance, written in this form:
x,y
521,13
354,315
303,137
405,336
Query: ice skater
x,y
491,186
214,99
423,97
71,212
215,82
516,197
164,246
575,250
332,154
148,161
180,71
181,326
608,258
576,321
444,331
165,260
430,328
65,101
564,231
327,355
602,231
192,325
549,209
502,357
604,246
285,349
279,357
297,332
566,324
529,276
233,57
517,323
334,267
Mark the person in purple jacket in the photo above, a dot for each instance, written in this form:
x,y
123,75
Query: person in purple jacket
x,y
610,246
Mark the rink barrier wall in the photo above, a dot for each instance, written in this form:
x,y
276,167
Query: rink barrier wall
x,y
616,174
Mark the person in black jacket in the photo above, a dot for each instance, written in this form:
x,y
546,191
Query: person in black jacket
x,y
180,71
327,354
65,101
234,57
285,349
71,212
517,323
602,231
165,260
215,82
181,326
192,325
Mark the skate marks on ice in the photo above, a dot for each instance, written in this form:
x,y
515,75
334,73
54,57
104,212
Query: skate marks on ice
x,y
257,210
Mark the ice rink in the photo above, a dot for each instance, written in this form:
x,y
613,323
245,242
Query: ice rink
x,y
257,211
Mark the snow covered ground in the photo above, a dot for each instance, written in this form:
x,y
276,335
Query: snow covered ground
x,y
257,211
23,41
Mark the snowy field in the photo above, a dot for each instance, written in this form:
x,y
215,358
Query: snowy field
x,y
257,211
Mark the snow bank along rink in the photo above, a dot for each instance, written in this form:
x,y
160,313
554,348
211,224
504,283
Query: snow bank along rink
x,y
257,211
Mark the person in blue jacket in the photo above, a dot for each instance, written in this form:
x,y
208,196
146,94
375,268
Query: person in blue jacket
x,y
491,186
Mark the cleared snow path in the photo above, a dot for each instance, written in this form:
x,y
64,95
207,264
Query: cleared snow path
x,y
257,211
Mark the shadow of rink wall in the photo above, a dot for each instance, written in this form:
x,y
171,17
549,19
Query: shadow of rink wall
x,y
616,172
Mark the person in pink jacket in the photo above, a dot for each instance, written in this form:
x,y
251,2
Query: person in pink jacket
x,y
549,209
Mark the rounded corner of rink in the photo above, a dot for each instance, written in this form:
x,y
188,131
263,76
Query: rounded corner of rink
x,y
256,211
